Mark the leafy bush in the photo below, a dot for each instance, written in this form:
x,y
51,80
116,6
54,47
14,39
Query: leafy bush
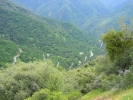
x,y
23,80
85,78
108,82
74,95
46,94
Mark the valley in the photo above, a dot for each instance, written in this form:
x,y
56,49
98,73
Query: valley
x,y
38,36
66,50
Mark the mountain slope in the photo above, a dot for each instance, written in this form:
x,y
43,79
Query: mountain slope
x,y
93,16
116,4
37,36
61,10
74,11
30,4
7,51
111,21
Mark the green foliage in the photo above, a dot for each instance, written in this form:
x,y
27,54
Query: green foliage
x,y
79,14
84,78
108,82
103,65
39,80
116,44
125,81
129,96
126,60
7,51
46,94
22,81
101,73
36,35
74,95
125,94
92,94
119,46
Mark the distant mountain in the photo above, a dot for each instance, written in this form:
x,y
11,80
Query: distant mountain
x,y
93,16
101,25
89,15
29,3
61,10
37,36
116,4
74,11
123,9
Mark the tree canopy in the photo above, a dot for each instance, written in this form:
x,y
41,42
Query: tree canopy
x,y
117,42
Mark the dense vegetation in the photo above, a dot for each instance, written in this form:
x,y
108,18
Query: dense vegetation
x,y
76,12
93,16
43,81
8,49
104,77
37,36
40,80
22,80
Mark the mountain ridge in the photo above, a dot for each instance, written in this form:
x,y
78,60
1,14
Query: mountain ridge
x,y
79,9
87,15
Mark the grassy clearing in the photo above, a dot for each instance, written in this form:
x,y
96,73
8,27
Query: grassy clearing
x,y
95,94
98,94
123,95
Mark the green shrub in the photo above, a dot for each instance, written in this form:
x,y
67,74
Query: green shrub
x,y
23,80
108,82
46,94
125,80
73,95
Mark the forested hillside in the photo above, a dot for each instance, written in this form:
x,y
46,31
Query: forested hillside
x,y
105,77
45,59
74,11
93,16
111,21
40,38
